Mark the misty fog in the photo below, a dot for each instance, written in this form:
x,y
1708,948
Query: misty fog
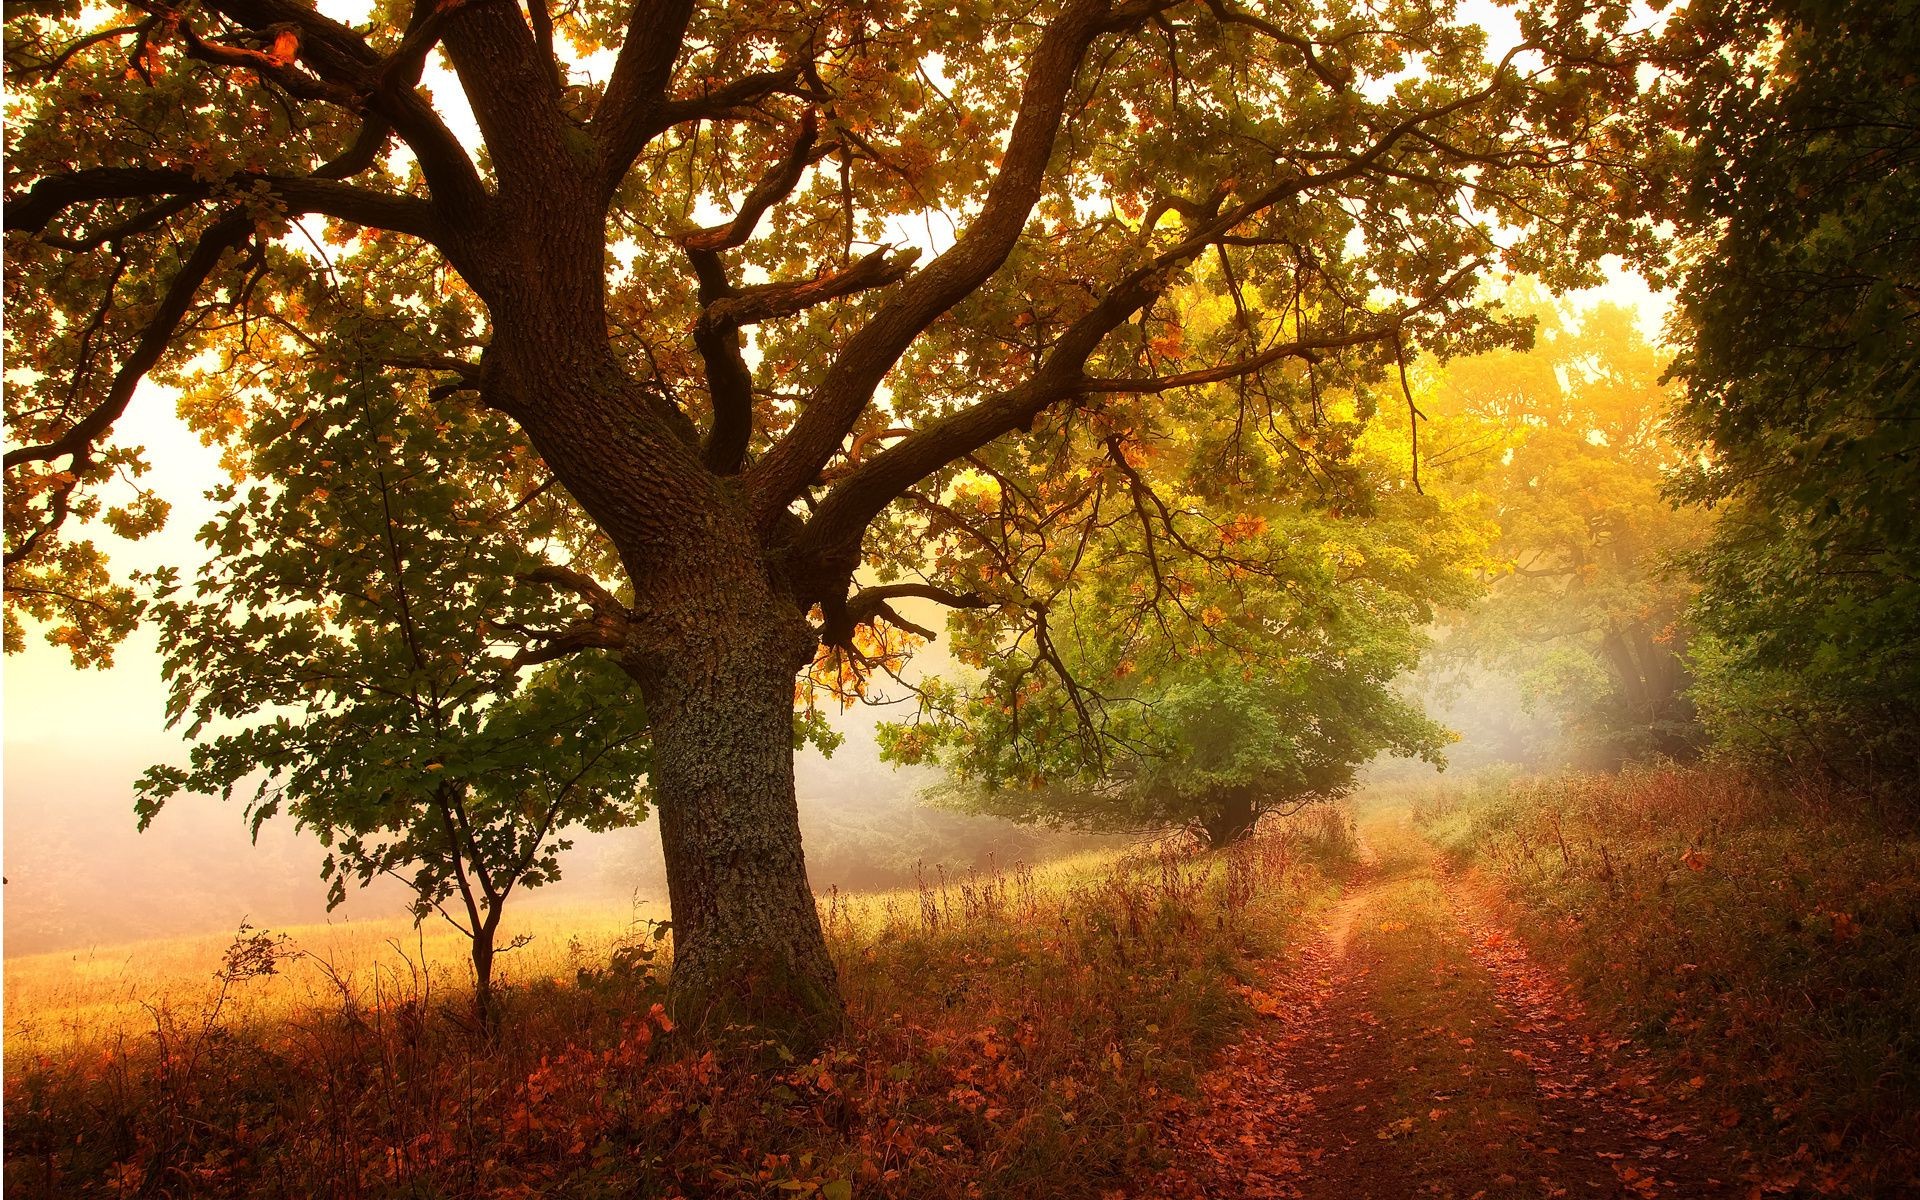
x,y
80,875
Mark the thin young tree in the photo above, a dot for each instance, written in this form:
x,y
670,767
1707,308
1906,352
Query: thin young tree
x,y
750,276
360,652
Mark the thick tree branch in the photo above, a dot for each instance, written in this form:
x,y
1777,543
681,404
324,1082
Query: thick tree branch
x,y
515,98
776,185
144,221
844,614
540,16
727,99
850,381
869,600
730,387
1387,329
469,376
589,589
622,124
386,86
636,109
361,154
845,512
769,301
1306,348
716,334
725,308
276,63
609,628
22,65
54,194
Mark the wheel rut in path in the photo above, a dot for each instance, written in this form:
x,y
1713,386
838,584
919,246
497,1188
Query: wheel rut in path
x,y
1412,1048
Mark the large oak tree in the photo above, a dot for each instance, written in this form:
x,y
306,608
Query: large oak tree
x,y
753,277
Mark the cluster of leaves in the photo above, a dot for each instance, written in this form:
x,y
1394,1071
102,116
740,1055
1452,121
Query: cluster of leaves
x,y
1799,306
1568,446
1025,1039
1764,934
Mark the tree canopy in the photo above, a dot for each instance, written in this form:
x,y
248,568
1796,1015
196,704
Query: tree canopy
x,y
1798,211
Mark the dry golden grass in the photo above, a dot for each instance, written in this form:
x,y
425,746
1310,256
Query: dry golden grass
x,y
72,999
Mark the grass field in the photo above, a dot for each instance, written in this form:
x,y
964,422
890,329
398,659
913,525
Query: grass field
x,y
1013,1033
67,1000
60,999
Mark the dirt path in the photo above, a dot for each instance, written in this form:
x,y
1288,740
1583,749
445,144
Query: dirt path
x,y
1413,1049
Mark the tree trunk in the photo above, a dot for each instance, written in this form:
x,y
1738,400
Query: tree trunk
x,y
1651,680
715,643
1229,819
747,944
483,1008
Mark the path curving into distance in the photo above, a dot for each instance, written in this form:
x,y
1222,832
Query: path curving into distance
x,y
1411,1048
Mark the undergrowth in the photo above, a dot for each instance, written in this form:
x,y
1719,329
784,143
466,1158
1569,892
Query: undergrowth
x,y
1766,933
1009,1038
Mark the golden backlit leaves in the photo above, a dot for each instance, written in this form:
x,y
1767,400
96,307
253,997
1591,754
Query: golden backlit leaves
x,y
844,673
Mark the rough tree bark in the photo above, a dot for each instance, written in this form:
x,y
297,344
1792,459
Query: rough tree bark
x,y
716,663
1651,680
715,639
747,939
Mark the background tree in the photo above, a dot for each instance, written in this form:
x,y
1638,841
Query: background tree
x,y
1569,442
360,653
1799,208
1249,669
733,404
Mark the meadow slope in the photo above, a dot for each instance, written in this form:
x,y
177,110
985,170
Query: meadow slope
x,y
1656,985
